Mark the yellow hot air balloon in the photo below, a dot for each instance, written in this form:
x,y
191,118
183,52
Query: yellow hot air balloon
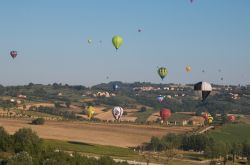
x,y
90,111
162,71
117,41
188,68
210,119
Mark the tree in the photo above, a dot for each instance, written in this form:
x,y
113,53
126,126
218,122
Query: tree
x,y
236,150
22,158
27,140
217,150
68,103
5,140
57,105
246,150
143,109
154,143
38,121
169,155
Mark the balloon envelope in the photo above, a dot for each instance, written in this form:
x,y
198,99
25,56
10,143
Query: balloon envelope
x,y
117,41
115,87
160,98
165,114
13,54
203,89
117,112
90,112
231,118
188,68
162,72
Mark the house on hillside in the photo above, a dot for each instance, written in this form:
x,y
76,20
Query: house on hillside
x,y
196,121
22,96
59,94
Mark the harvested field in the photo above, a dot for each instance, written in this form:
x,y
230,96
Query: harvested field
x,y
154,116
122,135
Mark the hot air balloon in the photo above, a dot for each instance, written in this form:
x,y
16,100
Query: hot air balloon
x,y
210,119
160,98
13,54
89,41
117,41
231,118
188,68
162,71
165,114
139,30
203,89
115,87
207,117
90,112
117,112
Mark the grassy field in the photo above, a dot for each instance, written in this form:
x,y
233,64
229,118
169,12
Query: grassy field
x,y
179,116
231,133
101,150
143,116
92,149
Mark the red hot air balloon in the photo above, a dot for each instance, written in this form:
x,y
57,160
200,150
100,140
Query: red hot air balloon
x,y
231,118
205,115
165,114
13,54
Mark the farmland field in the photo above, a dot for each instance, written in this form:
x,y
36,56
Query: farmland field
x,y
232,133
121,135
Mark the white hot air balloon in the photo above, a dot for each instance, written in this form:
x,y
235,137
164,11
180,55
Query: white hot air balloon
x,y
117,112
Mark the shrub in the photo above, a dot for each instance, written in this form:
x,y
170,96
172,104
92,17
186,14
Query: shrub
x,y
38,121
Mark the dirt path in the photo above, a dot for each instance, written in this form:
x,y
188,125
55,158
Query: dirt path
x,y
122,135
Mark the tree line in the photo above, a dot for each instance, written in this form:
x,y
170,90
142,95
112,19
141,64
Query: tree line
x,y
25,147
201,143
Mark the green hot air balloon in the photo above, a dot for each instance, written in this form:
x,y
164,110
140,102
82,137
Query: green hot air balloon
x,y
162,71
117,41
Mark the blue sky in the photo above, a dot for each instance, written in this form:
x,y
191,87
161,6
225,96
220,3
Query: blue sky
x,y
51,39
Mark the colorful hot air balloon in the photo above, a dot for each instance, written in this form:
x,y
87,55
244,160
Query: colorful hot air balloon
x,y
207,117
117,41
188,68
115,87
117,112
203,89
162,71
90,112
165,114
160,98
231,118
13,54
